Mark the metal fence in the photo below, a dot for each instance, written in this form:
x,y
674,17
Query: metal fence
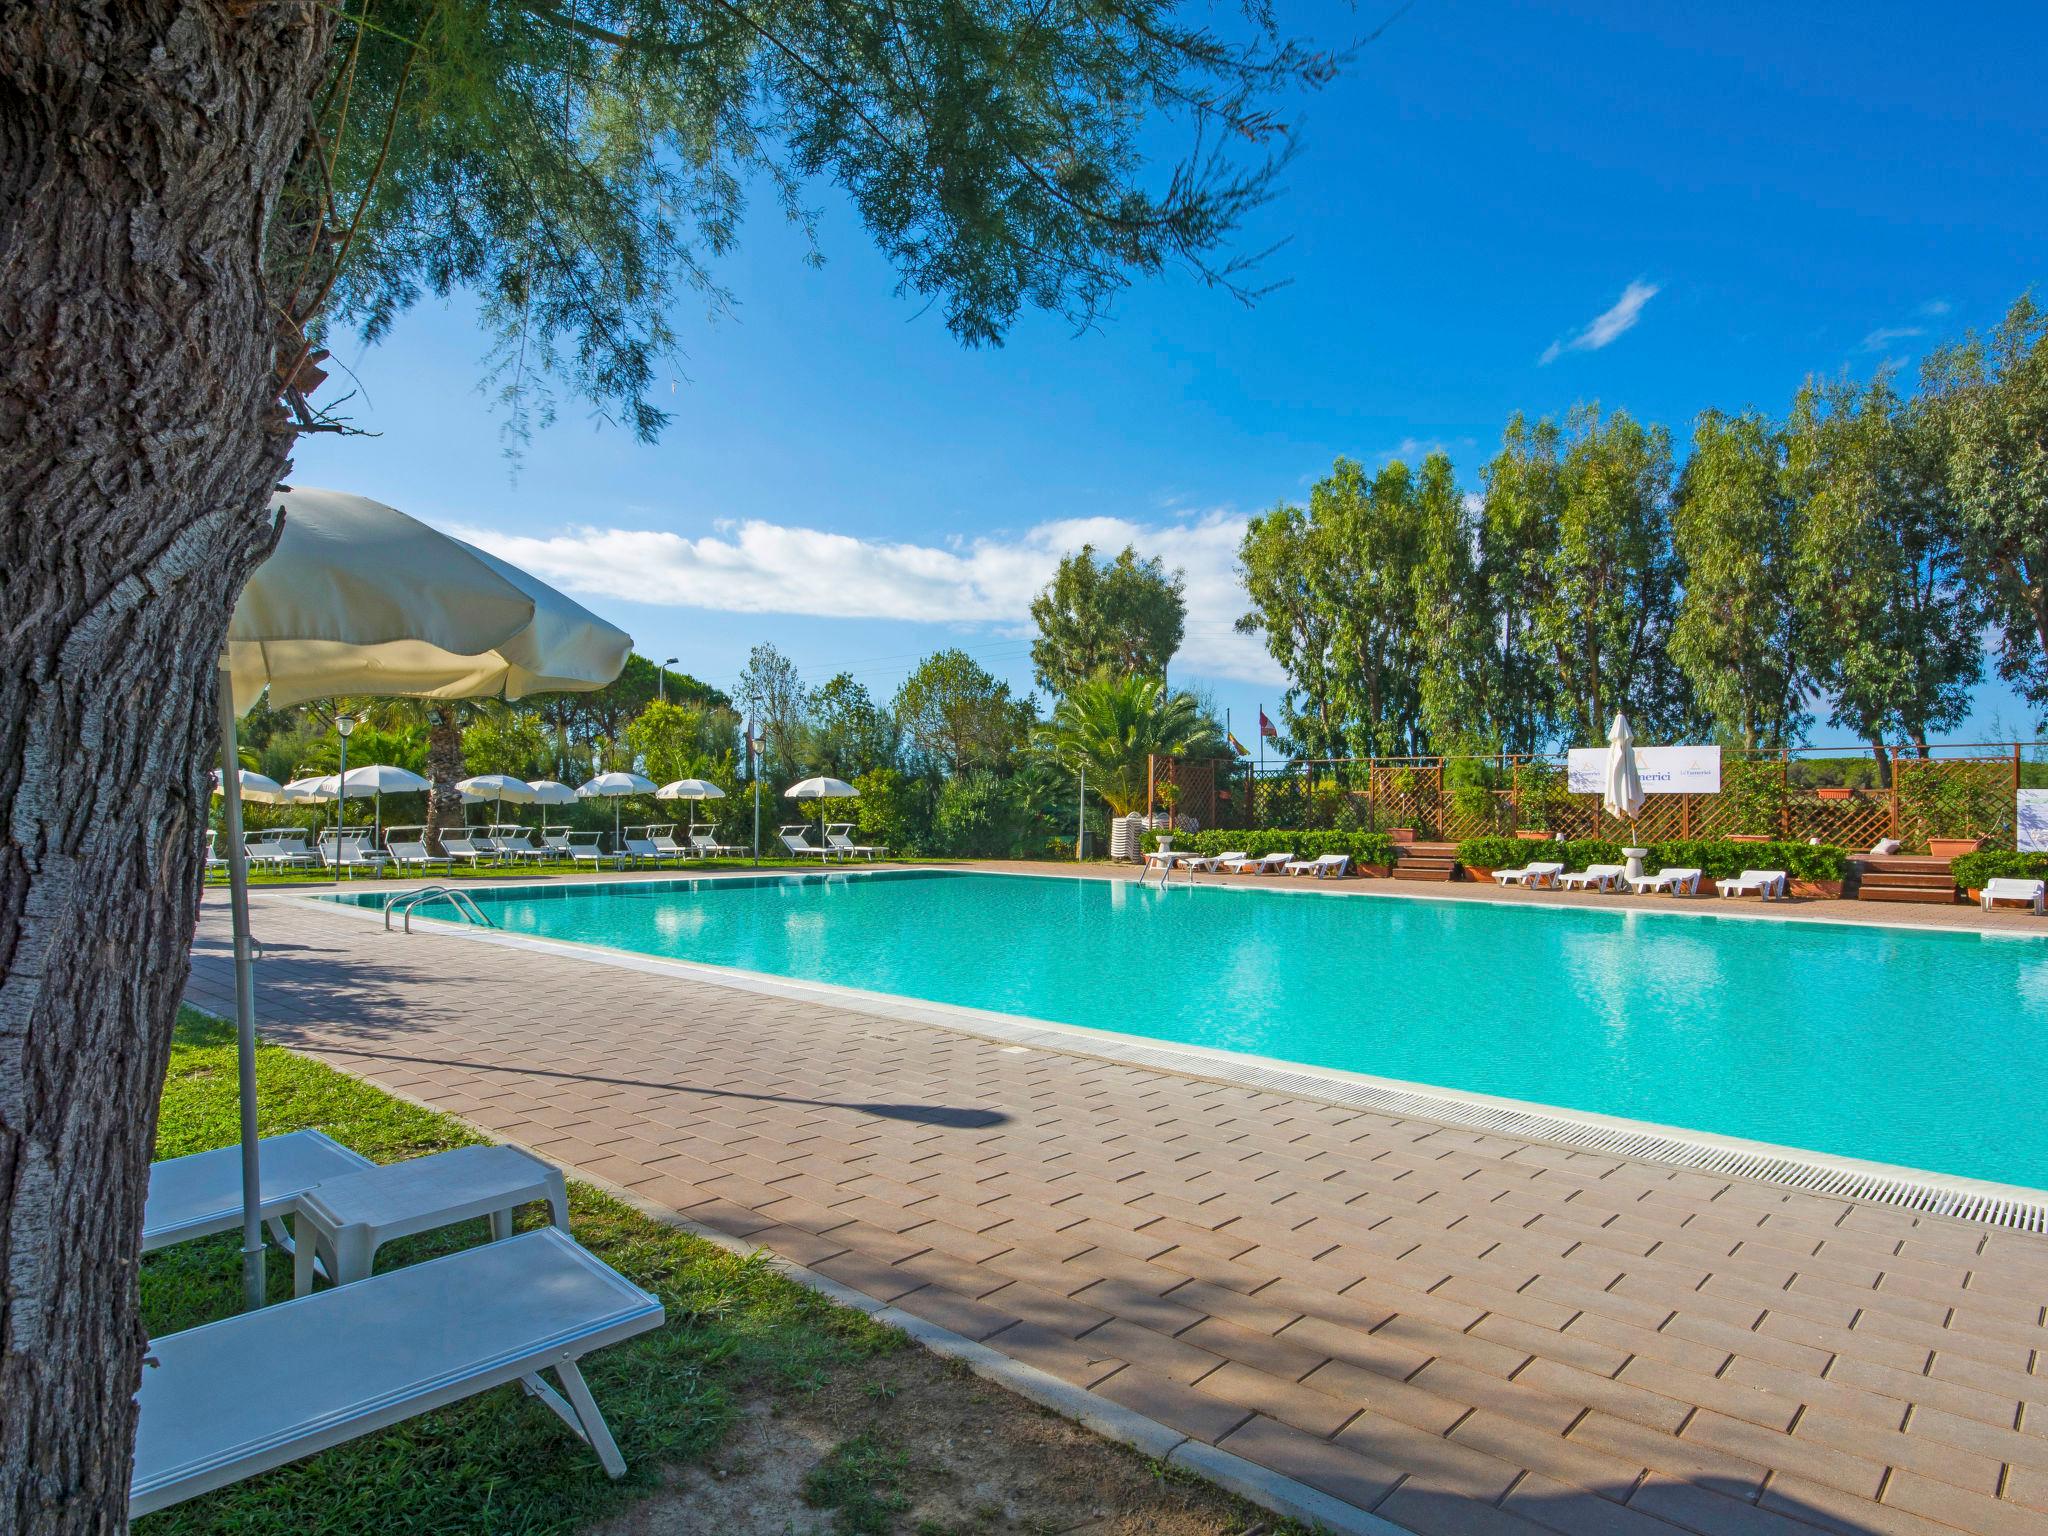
x,y
1846,796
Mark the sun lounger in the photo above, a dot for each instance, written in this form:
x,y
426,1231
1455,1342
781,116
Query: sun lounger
x,y
1232,863
1595,877
255,1391
1770,884
588,848
2005,889
705,846
512,842
839,840
1270,863
200,1195
553,845
1321,866
1679,882
1533,876
794,840
665,844
411,853
462,846
641,850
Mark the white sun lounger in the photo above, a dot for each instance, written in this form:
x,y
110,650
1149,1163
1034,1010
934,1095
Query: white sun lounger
x,y
1770,884
1531,876
641,850
837,838
1596,877
553,845
1323,864
705,846
200,1195
589,847
461,846
2007,889
412,854
234,1398
1679,882
794,840
1232,863
666,845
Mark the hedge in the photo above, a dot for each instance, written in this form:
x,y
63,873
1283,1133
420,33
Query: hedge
x,y
1973,870
1364,847
1717,859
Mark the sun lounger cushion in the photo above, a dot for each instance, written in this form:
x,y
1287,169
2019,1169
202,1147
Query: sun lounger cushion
x,y
238,1397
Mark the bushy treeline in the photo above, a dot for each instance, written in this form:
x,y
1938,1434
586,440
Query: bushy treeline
x,y
1852,551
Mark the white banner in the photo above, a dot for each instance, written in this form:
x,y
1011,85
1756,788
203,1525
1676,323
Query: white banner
x,y
2033,821
1663,770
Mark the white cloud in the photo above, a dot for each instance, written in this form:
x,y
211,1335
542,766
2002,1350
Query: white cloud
x,y
1608,327
757,566
1885,335
1936,308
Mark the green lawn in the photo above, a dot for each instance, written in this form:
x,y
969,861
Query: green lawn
x,y
500,1463
490,873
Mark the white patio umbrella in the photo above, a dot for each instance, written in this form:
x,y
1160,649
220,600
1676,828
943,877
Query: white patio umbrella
x,y
614,787
374,780
496,786
257,787
551,792
359,598
1622,792
821,790
690,789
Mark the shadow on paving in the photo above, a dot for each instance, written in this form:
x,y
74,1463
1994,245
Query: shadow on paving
x,y
316,982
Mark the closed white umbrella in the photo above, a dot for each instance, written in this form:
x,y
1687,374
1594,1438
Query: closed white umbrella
x,y
690,789
1622,791
359,598
615,787
821,789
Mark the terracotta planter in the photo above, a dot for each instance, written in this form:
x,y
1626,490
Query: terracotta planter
x,y
1953,847
1402,834
1377,871
1976,897
1827,889
1835,794
1525,836
1749,837
1477,872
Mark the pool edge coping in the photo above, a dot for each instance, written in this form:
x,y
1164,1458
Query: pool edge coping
x,y
2012,1207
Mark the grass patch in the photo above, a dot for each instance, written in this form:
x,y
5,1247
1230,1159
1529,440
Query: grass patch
x,y
490,873
499,1464
861,1482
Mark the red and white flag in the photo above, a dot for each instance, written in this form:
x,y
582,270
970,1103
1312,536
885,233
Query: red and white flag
x,y
1266,727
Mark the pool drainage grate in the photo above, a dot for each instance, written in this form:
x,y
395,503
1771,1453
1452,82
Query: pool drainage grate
x,y
1985,1207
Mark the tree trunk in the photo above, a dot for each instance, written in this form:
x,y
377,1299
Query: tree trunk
x,y
142,148
444,767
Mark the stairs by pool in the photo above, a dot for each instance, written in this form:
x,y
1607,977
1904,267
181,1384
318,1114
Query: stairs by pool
x,y
1905,877
1425,861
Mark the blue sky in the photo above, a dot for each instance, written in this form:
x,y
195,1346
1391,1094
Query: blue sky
x,y
1500,207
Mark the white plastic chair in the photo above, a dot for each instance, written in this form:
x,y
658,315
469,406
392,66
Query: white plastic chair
x,y
1596,877
2006,889
1679,882
1770,884
1532,876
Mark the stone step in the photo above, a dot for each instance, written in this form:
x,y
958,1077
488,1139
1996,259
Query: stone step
x,y
1920,894
1886,880
1902,864
1436,872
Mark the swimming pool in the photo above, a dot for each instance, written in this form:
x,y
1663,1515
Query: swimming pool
x,y
1913,1047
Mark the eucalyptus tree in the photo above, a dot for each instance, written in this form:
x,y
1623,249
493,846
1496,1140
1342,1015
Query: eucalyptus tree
x,y
1365,582
1109,725
1126,613
1457,677
1998,458
956,716
1877,563
1610,579
1521,513
1737,637
1281,563
778,705
192,192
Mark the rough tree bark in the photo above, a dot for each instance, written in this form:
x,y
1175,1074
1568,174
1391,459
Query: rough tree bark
x,y
444,768
143,145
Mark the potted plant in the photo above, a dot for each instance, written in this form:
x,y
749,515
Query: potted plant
x,y
1835,792
1953,847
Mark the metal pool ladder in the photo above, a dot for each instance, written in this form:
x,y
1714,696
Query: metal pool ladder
x,y
405,901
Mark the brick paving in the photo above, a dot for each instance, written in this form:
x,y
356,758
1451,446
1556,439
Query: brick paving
x,y
1460,1332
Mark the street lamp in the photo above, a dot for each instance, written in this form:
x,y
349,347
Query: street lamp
x,y
661,679
344,725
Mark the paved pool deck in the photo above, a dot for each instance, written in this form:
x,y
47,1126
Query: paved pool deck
x,y
1444,1329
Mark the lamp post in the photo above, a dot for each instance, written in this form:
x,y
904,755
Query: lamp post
x,y
661,679
343,725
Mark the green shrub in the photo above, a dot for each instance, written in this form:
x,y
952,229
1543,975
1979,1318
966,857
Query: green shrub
x,y
1514,852
1974,870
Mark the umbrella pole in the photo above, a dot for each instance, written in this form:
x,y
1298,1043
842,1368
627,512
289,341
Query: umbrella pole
x,y
245,1002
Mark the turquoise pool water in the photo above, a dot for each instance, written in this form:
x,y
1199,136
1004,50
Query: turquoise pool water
x,y
1919,1048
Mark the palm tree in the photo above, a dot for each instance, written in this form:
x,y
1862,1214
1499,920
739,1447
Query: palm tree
x,y
1110,724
